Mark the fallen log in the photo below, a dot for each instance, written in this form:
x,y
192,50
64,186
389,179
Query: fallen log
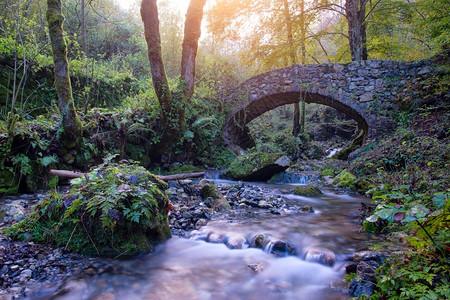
x,y
72,174
66,173
180,176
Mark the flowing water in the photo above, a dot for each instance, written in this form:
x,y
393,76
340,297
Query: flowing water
x,y
195,269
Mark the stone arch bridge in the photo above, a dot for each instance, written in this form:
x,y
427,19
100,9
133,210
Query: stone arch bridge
x,y
366,91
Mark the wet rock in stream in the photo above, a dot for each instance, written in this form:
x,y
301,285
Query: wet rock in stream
x,y
364,264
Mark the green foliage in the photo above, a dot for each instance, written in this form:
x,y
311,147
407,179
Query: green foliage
x,y
24,163
119,209
272,133
413,275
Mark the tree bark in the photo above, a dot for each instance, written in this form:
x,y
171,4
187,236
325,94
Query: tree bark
x,y
355,11
149,14
83,27
192,32
172,104
72,129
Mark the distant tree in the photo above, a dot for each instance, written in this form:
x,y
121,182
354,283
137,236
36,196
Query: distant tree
x,y
357,14
278,37
172,102
267,34
72,129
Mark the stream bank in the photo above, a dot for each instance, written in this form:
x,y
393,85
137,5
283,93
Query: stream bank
x,y
316,234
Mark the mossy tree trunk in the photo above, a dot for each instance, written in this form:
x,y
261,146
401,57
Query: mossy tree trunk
x,y
72,129
172,103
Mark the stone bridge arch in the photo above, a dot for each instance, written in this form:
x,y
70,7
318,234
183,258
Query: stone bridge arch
x,y
366,91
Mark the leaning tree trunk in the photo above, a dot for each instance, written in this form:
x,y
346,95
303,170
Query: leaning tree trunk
x,y
72,129
172,104
355,11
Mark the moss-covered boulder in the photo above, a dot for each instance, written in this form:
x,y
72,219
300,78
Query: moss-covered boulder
x,y
214,198
355,144
120,210
346,180
258,166
307,190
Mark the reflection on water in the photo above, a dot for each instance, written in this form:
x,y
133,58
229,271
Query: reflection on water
x,y
194,269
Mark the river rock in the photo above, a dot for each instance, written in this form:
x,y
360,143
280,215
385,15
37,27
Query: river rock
x,y
366,271
237,242
214,198
282,248
257,166
215,238
366,256
361,288
260,241
307,190
320,255
200,223
14,211
256,267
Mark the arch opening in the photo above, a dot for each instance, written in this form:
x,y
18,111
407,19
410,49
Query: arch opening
x,y
237,134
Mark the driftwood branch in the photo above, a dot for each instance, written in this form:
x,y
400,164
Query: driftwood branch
x,y
71,174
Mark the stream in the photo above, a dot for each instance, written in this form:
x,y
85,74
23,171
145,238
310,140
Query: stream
x,y
192,268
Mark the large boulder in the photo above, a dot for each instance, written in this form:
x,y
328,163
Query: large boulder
x,y
119,209
258,166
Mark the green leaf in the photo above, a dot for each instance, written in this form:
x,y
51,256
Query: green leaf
x,y
46,161
439,199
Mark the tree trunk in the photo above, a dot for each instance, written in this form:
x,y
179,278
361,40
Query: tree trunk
x,y
296,125
192,31
149,14
172,104
83,27
72,129
355,12
293,60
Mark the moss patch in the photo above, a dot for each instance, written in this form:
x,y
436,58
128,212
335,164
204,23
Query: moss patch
x,y
306,190
346,180
327,172
121,210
